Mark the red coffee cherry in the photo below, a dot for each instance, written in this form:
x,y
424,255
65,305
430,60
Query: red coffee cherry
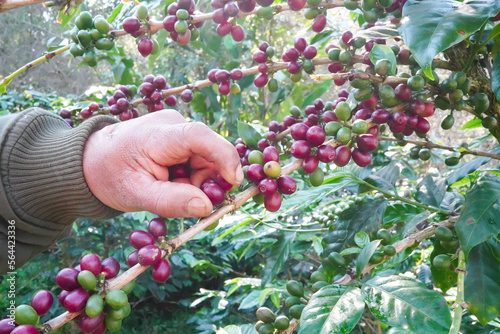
x,y
6,326
139,239
367,143
89,325
75,301
271,153
315,135
42,302
62,296
362,159
326,153
25,329
110,267
300,44
299,131
310,164
268,186
287,185
215,193
66,279
161,271
255,173
273,202
157,227
131,24
92,263
133,258
149,255
343,156
300,149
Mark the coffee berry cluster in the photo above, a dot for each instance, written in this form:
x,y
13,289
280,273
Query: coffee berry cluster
x,y
178,22
146,45
90,34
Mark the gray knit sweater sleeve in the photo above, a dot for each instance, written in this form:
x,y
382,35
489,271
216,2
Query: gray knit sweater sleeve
x,y
42,188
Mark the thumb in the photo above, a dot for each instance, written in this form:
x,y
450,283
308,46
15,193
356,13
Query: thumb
x,y
172,200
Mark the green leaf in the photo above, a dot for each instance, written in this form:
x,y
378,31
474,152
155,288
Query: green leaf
x,y
365,255
249,135
384,179
399,212
444,279
251,300
482,282
361,239
479,219
467,168
433,26
403,302
318,90
365,216
495,77
231,329
334,309
431,191
115,13
279,254
275,298
473,123
380,52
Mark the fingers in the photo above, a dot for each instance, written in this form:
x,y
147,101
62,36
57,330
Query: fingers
x,y
172,200
202,141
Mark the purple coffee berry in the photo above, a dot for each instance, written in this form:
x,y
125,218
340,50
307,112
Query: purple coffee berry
x,y
149,255
161,271
300,149
110,267
326,153
287,185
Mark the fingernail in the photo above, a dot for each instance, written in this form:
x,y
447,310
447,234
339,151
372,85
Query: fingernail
x,y
196,206
239,174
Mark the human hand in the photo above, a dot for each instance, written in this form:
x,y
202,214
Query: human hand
x,y
125,164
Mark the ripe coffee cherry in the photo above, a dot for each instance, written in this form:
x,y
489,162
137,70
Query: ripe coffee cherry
x,y
292,54
225,88
75,301
42,302
246,6
310,164
25,329
62,296
67,279
274,126
179,171
145,46
288,121
263,143
131,24
260,57
236,74
300,44
423,126
381,116
429,110
263,68
133,258
224,28
110,267
271,153
272,169
293,67
149,255
412,121
273,202
219,16
231,9
362,159
418,107
261,80
319,24
255,173
329,116
157,228
300,149
403,92
171,101
88,324
161,271
211,75
187,95
146,89
226,186
215,193
326,153
399,118
92,263
367,143
315,135
343,156
221,75
237,33
241,148
299,131
287,185
296,5
139,239
65,113
6,326
268,186
160,82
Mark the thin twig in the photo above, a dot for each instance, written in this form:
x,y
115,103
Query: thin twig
x,y
13,4
429,144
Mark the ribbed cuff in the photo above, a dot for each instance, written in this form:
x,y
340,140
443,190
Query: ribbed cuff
x,y
42,172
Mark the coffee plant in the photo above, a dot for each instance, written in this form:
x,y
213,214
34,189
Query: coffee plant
x,y
356,217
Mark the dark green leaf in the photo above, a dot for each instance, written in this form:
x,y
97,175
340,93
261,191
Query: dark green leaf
x,y
399,213
249,135
482,282
365,216
495,77
380,52
403,302
434,26
431,191
279,254
365,255
334,309
384,179
479,219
